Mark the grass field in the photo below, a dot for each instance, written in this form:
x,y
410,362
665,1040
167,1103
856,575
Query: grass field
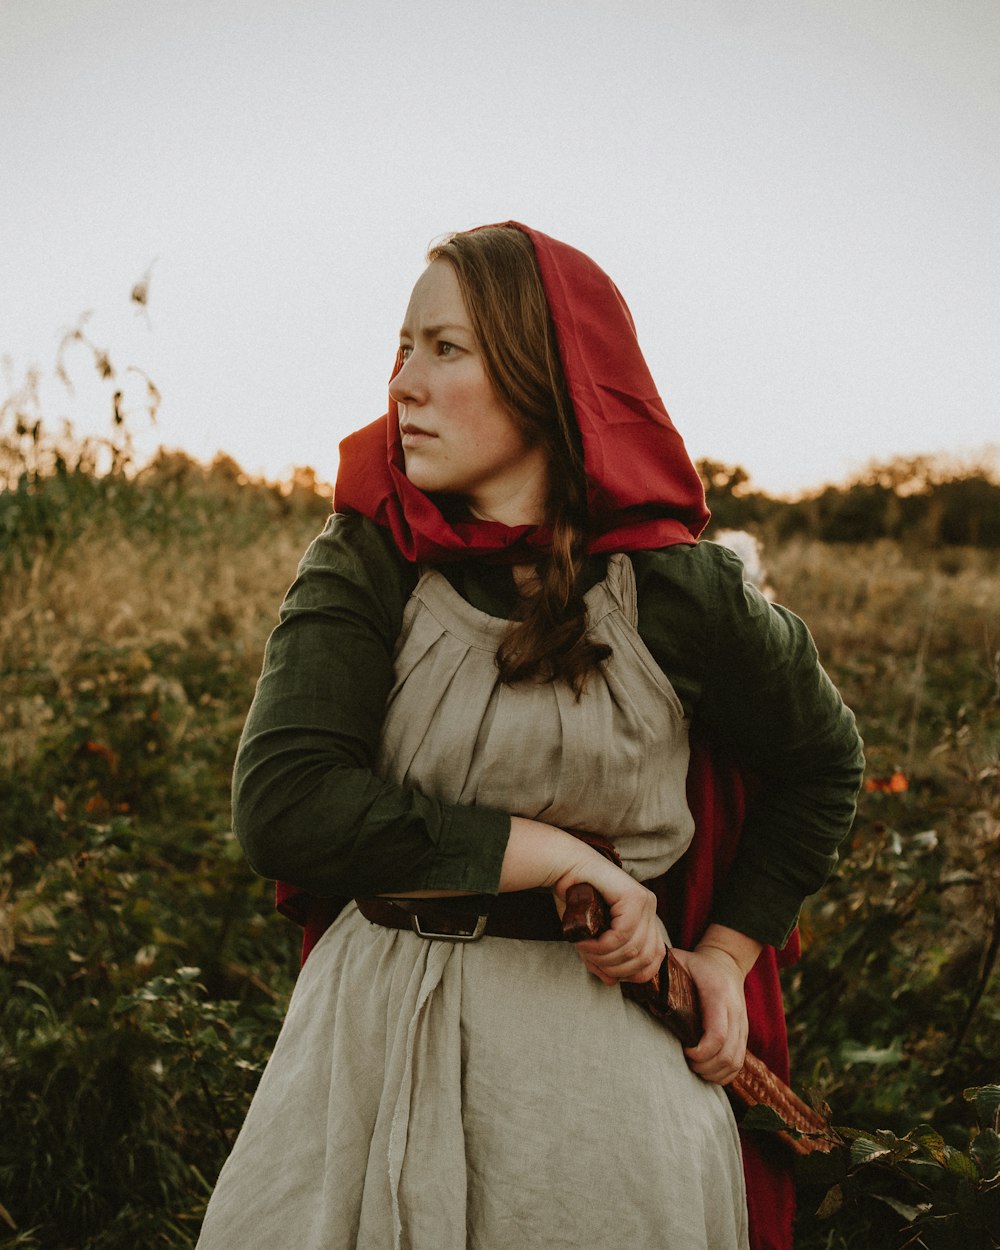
x,y
143,973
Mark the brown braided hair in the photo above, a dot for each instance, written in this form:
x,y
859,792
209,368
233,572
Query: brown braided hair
x,y
503,292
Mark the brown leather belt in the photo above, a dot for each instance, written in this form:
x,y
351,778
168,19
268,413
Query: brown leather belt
x,y
528,915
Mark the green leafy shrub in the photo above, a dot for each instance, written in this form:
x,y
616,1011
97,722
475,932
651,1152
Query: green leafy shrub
x,y
914,1190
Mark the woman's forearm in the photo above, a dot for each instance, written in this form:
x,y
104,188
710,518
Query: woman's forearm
x,y
538,857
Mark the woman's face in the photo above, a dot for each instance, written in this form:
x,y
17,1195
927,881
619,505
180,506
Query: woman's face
x,y
456,434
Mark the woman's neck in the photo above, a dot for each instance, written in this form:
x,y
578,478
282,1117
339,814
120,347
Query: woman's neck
x,y
523,502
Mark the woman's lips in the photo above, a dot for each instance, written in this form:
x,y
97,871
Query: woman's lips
x,y
414,436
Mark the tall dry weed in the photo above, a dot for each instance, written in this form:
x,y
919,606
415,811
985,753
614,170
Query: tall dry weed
x,y
911,637
112,591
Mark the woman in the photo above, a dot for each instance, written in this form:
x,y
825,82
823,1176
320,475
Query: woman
x,y
469,671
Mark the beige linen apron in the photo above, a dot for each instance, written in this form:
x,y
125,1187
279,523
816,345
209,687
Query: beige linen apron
x,y
428,1095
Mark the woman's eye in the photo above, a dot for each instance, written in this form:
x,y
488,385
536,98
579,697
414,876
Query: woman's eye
x,y
405,351
446,349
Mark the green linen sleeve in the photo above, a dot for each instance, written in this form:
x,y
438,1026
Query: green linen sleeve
x,y
768,697
308,808
749,672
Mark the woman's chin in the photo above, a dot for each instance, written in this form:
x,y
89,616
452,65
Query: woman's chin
x,y
425,482
424,478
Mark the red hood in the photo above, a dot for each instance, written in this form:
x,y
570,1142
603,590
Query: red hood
x,y
643,489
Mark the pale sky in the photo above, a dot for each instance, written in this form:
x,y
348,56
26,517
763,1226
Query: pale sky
x,y
798,199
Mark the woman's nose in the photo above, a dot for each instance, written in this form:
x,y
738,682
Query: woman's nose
x,y
406,385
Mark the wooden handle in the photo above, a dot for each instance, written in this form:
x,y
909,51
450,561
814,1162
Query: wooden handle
x,y
586,915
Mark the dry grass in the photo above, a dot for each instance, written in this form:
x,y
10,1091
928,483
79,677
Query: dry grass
x,y
912,640
107,592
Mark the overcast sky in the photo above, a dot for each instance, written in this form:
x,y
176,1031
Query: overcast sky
x,y
798,199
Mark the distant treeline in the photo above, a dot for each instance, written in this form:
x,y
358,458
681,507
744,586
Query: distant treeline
x,y
913,499
48,475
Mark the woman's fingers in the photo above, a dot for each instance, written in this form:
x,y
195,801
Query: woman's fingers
x,y
720,1053
632,949
642,968
638,973
626,952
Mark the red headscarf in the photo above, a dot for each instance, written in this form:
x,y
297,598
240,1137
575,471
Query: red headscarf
x,y
643,490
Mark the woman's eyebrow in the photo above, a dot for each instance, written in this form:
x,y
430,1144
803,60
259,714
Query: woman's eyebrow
x,y
430,332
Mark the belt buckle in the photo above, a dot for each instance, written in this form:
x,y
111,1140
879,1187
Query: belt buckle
x,y
473,936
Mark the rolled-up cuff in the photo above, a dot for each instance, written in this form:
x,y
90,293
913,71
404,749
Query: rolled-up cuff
x,y
469,851
762,908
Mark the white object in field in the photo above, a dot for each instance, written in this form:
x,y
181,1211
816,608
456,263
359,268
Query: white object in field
x,y
747,547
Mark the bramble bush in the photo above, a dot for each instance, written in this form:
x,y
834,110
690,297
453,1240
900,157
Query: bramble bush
x,y
894,1009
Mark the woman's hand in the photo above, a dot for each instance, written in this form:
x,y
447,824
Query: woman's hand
x,y
633,948
719,966
541,856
